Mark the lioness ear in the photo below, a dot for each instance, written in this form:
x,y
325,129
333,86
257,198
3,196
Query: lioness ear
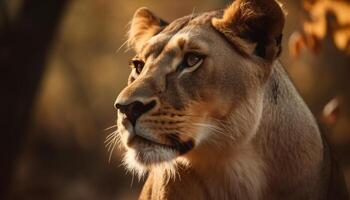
x,y
144,25
257,23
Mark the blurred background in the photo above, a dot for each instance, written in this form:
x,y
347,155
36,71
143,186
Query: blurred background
x,y
61,71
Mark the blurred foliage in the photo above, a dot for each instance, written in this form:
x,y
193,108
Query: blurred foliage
x,y
64,156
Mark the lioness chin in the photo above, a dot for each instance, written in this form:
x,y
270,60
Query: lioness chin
x,y
210,113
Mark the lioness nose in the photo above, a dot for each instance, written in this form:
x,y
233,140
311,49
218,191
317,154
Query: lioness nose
x,y
135,109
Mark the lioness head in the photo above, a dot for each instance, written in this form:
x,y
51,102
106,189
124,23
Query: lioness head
x,y
196,83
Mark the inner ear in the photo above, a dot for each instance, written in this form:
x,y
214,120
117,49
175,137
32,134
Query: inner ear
x,y
144,25
258,23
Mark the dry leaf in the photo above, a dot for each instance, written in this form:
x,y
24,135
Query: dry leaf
x,y
331,110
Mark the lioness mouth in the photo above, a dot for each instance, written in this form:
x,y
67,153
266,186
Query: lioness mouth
x,y
176,144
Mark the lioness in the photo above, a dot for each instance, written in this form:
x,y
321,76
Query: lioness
x,y
210,113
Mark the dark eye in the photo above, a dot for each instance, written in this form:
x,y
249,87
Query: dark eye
x,y
138,65
192,59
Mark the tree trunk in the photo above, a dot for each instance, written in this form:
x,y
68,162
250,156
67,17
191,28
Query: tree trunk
x,y
24,47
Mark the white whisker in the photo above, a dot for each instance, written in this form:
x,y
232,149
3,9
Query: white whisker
x,y
107,141
111,152
121,46
214,128
107,145
111,143
111,127
193,12
111,134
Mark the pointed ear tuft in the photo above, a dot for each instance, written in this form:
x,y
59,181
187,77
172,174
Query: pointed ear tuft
x,y
258,22
144,25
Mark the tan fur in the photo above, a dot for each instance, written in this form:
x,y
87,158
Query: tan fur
x,y
253,136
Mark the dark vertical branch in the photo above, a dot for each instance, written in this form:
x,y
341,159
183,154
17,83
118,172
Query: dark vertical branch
x,y
23,51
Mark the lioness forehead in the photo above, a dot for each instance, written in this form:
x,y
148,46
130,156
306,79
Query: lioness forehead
x,y
177,33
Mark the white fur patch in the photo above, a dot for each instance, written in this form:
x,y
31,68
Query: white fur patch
x,y
156,39
139,162
203,131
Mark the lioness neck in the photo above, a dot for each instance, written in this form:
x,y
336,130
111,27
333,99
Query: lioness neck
x,y
284,155
241,179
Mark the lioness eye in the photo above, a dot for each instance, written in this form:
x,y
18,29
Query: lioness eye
x,y
192,59
138,65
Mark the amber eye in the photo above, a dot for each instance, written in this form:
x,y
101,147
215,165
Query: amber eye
x,y
192,59
138,65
